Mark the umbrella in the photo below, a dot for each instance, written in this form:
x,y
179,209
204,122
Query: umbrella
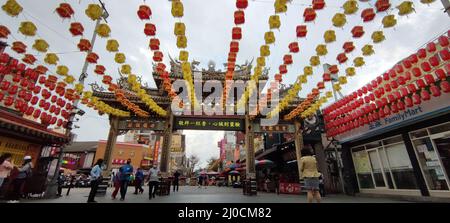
x,y
234,172
265,163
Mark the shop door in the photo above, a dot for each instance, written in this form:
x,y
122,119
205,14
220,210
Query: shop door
x,y
377,168
442,144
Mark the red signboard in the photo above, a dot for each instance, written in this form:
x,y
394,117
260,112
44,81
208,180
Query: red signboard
x,y
155,154
289,188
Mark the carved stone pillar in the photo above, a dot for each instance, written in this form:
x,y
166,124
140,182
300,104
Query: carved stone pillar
x,y
249,145
167,142
298,144
112,138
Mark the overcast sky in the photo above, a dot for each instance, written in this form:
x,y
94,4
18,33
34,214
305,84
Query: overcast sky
x,y
209,25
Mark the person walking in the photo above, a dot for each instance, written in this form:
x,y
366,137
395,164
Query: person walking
x,y
153,182
276,180
125,176
310,174
25,173
96,178
61,180
5,167
116,184
200,181
138,180
71,183
176,180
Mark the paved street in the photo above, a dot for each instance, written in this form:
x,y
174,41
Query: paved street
x,y
188,194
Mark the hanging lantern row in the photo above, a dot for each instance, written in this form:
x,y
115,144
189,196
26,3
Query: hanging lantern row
x,y
120,96
101,106
141,93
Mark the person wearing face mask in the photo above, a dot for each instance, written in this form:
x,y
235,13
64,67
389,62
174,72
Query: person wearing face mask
x,y
125,174
25,172
5,167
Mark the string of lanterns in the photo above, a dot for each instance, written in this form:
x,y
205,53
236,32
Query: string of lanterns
x,y
100,106
141,93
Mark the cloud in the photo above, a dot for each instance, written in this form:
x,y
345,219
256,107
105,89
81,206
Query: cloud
x,y
203,144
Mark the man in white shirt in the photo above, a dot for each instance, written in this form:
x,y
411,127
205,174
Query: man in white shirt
x,y
153,181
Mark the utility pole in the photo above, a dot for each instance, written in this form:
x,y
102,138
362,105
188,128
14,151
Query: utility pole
x,y
334,79
446,4
52,186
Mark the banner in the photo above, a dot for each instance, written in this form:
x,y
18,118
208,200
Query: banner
x,y
290,188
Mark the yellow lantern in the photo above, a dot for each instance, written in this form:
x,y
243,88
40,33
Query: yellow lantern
x,y
12,8
350,7
406,7
261,61
378,36
303,79
119,58
186,68
321,50
358,62
179,29
62,70
269,37
274,22
184,55
280,6
265,50
339,20
367,50
329,94
314,61
79,87
329,36
103,30
181,41
40,45
177,9
350,71
27,28
342,80
112,45
389,21
337,87
69,79
126,69
308,70
94,11
51,58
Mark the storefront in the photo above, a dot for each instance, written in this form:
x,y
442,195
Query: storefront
x,y
398,142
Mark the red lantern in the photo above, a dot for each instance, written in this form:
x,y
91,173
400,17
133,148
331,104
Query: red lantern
x,y
160,67
278,77
293,47
421,83
394,84
445,86
36,113
318,4
425,95
158,56
422,53
37,90
425,66
154,44
320,85
144,12
231,67
4,85
92,58
283,69
19,47
341,58
301,30
241,4
416,72
239,17
445,54
431,47
326,77
309,14
435,91
13,89
106,80
429,79
409,102
29,59
84,45
413,58
76,29
368,15
65,10
440,73
231,57
357,31
333,69
382,5
150,29
443,41
287,59
234,47
348,47
236,33
41,69
100,69
4,31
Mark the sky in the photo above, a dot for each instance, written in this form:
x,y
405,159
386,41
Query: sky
x,y
208,30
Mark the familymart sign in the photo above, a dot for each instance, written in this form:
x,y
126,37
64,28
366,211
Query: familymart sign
x,y
428,109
